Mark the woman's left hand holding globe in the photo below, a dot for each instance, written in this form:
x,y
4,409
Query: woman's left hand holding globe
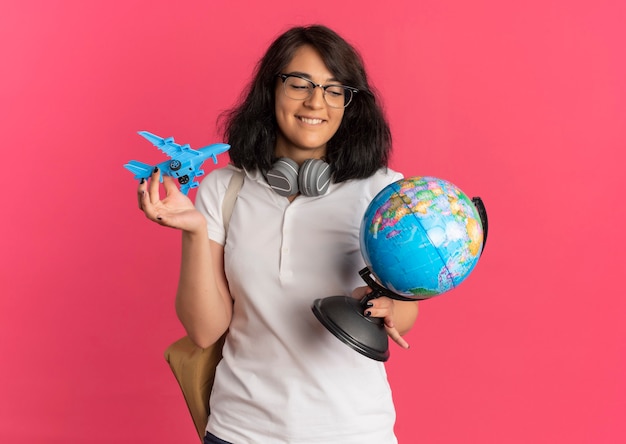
x,y
398,316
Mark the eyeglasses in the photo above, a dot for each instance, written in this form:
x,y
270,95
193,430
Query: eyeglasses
x,y
300,88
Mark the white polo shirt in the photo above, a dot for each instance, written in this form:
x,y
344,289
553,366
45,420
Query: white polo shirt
x,y
284,378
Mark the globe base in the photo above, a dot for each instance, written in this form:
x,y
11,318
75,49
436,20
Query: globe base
x,y
343,317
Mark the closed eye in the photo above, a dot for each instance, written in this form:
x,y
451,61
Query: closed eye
x,y
334,93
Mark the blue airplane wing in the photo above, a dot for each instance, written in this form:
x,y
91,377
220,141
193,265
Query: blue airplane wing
x,y
167,145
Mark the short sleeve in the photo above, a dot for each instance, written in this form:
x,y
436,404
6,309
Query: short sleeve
x,y
209,200
382,178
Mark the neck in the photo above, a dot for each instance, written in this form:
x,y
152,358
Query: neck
x,y
299,155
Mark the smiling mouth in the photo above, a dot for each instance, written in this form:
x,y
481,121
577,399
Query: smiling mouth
x,y
309,121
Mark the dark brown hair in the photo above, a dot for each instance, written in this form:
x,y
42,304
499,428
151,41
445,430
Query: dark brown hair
x,y
361,145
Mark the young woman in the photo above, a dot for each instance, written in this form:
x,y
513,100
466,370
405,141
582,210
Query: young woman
x,y
293,237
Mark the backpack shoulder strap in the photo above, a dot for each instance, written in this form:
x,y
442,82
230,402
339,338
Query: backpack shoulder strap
x,y
193,367
234,185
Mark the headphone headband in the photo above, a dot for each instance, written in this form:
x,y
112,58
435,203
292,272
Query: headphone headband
x,y
287,178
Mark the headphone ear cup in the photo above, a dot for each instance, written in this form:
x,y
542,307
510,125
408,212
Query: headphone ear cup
x,y
314,177
283,177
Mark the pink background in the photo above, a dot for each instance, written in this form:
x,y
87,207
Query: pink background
x,y
522,103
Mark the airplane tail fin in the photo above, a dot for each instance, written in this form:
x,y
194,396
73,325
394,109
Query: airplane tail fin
x,y
140,169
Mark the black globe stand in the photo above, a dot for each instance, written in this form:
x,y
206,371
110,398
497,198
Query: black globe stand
x,y
343,317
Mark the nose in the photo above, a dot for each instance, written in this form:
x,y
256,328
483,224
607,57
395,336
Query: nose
x,y
316,99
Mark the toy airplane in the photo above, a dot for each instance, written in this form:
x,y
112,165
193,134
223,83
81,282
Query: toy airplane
x,y
184,163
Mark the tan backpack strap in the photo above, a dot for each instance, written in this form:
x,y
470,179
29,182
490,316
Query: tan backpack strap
x,y
193,367
236,181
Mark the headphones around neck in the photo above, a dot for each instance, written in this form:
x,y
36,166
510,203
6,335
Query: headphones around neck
x,y
288,179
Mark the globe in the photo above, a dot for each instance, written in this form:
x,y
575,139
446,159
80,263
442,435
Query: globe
x,y
421,237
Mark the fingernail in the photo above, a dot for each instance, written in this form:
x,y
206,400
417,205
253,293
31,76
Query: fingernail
x,y
370,304
142,181
156,169
368,313
159,218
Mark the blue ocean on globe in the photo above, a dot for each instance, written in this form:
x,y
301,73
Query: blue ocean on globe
x,y
421,236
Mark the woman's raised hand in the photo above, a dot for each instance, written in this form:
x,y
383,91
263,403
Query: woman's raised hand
x,y
175,210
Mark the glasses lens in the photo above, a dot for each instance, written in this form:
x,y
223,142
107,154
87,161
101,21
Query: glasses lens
x,y
297,88
337,96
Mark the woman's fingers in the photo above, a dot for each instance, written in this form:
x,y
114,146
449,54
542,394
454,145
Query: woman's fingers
x,y
172,210
395,336
170,185
383,308
379,308
141,190
148,195
153,186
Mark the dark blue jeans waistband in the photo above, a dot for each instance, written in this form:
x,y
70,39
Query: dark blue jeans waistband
x,y
210,438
